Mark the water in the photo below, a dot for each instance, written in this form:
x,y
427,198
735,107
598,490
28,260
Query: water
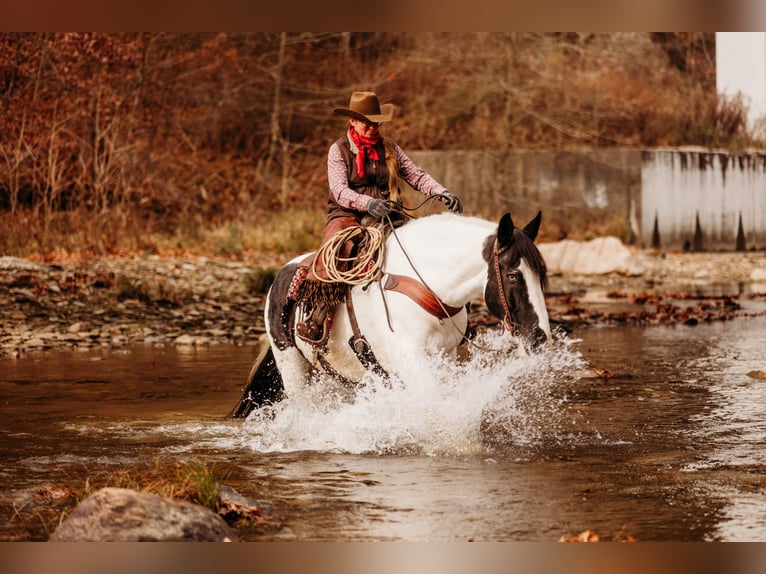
x,y
664,443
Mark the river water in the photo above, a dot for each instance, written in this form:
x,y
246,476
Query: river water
x,y
654,434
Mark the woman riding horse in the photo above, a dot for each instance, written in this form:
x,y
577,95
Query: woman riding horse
x,y
417,307
363,170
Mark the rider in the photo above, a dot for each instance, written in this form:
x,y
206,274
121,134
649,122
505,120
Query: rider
x,y
363,170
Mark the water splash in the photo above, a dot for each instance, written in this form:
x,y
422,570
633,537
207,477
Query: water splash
x,y
494,397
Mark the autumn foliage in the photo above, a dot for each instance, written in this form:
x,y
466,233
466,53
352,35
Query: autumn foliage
x,y
109,141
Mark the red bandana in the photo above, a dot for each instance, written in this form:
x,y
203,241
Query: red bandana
x,y
366,146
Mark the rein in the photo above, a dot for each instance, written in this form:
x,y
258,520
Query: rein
x,y
507,324
403,209
447,310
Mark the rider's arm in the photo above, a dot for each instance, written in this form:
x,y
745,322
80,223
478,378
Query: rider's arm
x,y
337,175
416,176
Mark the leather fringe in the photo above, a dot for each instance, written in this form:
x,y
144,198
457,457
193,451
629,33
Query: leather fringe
x,y
310,293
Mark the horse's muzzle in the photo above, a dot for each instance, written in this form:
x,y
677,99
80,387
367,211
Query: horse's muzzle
x,y
536,340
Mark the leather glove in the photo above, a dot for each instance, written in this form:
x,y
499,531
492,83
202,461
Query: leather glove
x,y
378,208
451,201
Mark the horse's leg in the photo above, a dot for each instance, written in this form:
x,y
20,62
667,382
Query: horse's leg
x,y
264,385
294,369
280,314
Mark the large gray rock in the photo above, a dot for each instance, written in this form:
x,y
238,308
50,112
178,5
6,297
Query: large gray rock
x,y
595,257
123,515
17,264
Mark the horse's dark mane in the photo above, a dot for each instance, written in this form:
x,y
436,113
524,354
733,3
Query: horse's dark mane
x,y
522,248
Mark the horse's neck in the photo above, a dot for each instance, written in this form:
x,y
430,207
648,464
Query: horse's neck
x,y
445,253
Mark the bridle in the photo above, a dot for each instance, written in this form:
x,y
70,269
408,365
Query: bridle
x,y
507,324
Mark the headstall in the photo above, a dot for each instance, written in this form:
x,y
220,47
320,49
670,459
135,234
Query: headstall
x,y
507,323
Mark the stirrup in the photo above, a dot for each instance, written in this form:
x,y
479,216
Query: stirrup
x,y
304,336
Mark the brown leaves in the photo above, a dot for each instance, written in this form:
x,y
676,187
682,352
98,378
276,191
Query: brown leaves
x,y
584,536
650,309
591,536
234,512
50,493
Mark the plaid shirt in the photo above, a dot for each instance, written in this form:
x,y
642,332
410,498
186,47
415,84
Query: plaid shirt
x,y
337,175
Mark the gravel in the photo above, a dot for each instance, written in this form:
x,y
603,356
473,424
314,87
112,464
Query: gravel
x,y
112,302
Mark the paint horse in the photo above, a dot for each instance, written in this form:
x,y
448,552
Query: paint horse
x,y
432,268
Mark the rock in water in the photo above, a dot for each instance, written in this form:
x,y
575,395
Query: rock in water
x,y
124,515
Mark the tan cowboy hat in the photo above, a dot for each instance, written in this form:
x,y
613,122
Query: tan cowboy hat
x,y
365,106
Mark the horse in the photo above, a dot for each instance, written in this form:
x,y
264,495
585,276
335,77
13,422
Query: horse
x,y
431,269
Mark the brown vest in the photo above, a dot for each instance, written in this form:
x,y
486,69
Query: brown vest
x,y
376,181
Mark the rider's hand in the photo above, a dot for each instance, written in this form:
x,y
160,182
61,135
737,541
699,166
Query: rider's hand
x,y
378,208
451,201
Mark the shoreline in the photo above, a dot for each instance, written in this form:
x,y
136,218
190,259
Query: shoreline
x,y
110,302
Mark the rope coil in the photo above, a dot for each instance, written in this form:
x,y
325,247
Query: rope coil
x,y
362,268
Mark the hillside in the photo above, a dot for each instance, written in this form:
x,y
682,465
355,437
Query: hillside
x,y
162,141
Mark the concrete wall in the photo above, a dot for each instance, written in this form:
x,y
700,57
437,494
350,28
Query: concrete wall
x,y
626,193
580,193
688,191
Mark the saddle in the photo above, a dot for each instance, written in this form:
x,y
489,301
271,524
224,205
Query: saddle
x,y
354,258
318,292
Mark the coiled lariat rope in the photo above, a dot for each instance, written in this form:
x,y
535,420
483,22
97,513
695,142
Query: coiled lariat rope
x,y
362,268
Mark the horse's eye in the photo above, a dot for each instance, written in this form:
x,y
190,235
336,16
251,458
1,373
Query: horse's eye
x,y
513,276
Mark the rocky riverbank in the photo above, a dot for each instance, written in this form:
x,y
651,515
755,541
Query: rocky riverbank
x,y
115,301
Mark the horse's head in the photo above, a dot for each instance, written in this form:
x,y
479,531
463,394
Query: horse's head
x,y
516,279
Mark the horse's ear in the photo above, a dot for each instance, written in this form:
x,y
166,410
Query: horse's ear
x,y
505,230
534,226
